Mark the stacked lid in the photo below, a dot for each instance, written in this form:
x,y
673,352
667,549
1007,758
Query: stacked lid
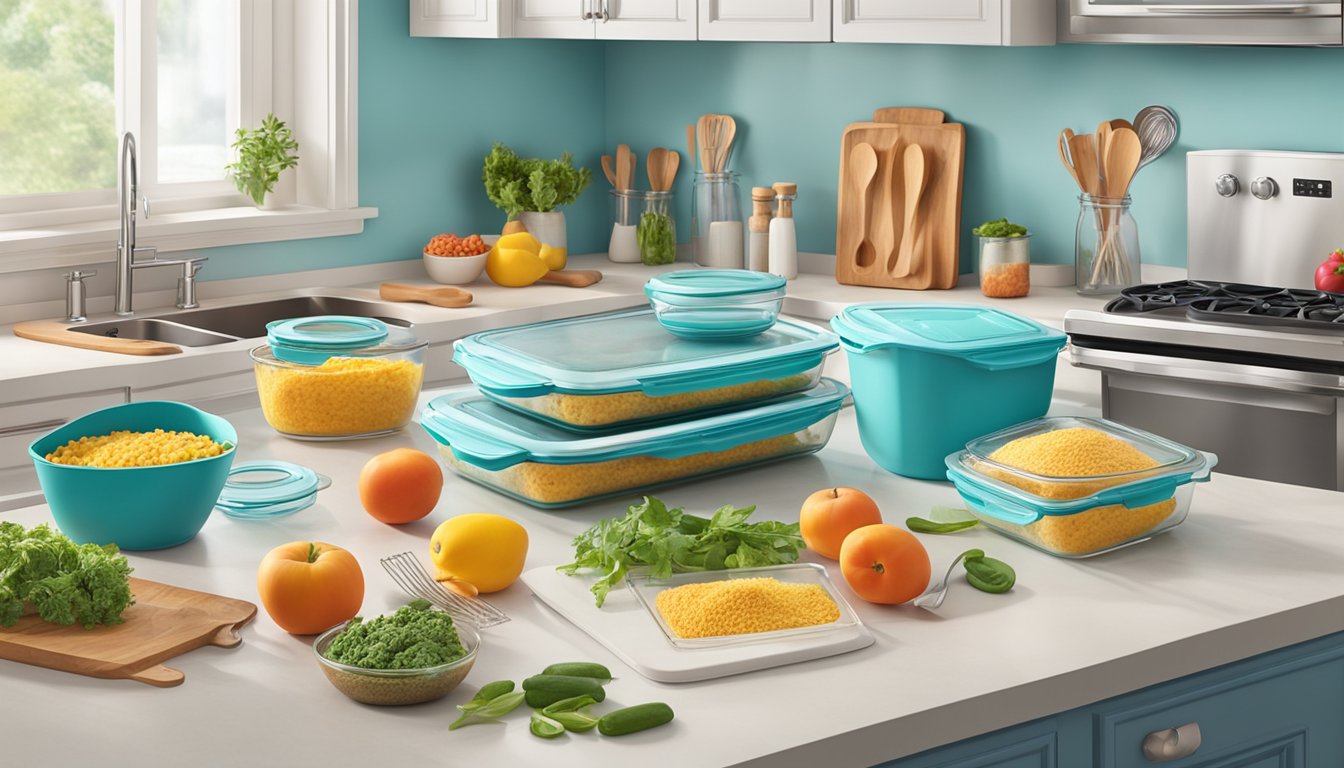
x,y
261,490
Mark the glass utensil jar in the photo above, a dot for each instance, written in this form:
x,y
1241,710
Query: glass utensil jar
x,y
626,206
717,231
1005,266
656,232
1106,249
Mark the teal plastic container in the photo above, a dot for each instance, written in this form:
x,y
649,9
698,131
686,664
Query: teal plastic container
x,y
929,378
135,508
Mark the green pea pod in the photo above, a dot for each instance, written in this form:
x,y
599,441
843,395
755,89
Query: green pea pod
x,y
487,693
574,721
920,525
491,710
572,704
989,575
545,727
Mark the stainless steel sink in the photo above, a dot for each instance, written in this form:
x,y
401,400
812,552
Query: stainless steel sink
x,y
248,321
151,329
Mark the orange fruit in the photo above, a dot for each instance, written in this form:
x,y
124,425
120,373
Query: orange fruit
x,y
884,564
400,486
829,515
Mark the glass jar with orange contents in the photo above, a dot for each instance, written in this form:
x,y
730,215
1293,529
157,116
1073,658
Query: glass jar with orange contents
x,y
1005,259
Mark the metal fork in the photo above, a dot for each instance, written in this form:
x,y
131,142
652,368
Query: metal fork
x,y
415,581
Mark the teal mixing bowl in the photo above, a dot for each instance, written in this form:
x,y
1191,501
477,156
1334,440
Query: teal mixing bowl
x,y
135,507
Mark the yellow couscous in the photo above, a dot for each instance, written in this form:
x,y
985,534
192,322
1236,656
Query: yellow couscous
x,y
744,606
136,449
620,407
342,396
1078,452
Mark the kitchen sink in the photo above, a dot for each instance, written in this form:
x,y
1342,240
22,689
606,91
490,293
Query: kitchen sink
x,y
150,329
248,321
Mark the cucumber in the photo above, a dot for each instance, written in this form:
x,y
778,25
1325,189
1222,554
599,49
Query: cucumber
x,y
579,669
545,690
632,719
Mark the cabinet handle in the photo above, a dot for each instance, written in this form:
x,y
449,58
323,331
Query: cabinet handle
x,y
605,15
41,426
1171,744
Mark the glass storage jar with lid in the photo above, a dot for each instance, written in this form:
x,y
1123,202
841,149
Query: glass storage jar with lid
x,y
717,229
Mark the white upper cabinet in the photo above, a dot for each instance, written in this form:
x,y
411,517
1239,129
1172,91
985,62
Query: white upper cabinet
x,y
970,22
783,20
605,19
458,18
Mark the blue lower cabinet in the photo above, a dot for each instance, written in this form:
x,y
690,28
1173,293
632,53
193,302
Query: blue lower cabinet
x,y
1034,745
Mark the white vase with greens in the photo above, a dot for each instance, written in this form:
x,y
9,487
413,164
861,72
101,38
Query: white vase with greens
x,y
263,154
531,190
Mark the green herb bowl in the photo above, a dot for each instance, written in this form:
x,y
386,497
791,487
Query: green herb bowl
x,y
395,687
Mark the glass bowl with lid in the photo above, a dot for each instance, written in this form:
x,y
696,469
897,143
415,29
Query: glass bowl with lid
x,y
716,303
334,377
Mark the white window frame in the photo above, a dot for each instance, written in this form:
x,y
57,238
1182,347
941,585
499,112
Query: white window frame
x,y
299,60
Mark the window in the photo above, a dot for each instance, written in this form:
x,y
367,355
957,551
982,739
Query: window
x,y
182,75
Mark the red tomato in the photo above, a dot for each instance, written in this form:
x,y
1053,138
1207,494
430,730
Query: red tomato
x,y
1330,275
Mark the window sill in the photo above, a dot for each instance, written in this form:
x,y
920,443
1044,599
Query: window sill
x,y
69,245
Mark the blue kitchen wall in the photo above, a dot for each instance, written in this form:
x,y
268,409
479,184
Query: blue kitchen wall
x,y
792,101
429,109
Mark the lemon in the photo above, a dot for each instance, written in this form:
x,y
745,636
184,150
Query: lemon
x,y
484,550
514,267
554,258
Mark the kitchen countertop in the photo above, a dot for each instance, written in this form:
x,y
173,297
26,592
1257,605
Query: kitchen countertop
x,y
1228,583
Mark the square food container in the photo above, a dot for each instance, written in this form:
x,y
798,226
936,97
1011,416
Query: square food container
x,y
929,377
646,588
1084,515
621,369
548,466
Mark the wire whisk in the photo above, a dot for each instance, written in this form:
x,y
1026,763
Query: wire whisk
x,y
414,580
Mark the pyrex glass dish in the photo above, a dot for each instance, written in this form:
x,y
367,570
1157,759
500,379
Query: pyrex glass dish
x,y
716,303
646,589
549,466
621,369
1079,516
398,686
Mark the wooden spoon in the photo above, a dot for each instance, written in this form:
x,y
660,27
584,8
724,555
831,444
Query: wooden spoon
x,y
690,145
914,176
574,278
1083,150
863,164
670,167
625,167
704,138
1065,136
607,170
656,168
884,232
438,295
727,132
1103,139
1121,160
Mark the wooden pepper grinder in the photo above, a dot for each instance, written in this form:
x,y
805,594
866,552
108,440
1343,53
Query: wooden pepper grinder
x,y
783,235
758,254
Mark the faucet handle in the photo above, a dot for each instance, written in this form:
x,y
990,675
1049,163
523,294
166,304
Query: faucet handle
x,y
144,204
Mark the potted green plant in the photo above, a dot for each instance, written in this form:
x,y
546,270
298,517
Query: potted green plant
x,y
531,189
263,154
1005,259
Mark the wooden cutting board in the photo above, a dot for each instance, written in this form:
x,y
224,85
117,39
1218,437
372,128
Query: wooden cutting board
x,y
166,621
54,332
936,259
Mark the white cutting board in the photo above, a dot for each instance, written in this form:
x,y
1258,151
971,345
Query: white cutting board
x,y
627,630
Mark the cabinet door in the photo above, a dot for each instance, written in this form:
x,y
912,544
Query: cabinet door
x,y
458,18
646,19
971,22
782,20
566,19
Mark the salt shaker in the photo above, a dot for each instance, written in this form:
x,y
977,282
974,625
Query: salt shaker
x,y
758,228
783,234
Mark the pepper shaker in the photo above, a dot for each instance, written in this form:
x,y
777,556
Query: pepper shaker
x,y
758,250
783,234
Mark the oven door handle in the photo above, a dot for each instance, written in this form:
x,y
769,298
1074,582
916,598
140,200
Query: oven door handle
x,y
1280,379
1228,10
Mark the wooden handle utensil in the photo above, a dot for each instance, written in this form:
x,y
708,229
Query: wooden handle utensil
x,y
574,278
437,295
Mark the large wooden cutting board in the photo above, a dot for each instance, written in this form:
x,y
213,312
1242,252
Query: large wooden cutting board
x,y
166,621
936,258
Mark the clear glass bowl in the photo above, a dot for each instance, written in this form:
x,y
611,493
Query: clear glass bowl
x,y
730,317
646,589
397,686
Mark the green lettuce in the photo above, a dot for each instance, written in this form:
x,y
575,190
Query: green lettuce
x,y
67,583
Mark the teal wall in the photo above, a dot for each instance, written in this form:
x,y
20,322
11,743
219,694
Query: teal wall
x,y
430,108
792,101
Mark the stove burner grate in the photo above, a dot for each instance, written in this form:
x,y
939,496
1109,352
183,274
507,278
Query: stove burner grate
x,y
1235,303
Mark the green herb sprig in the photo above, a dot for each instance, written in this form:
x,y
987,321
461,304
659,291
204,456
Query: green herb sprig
x,y
515,184
999,228
263,153
67,583
657,238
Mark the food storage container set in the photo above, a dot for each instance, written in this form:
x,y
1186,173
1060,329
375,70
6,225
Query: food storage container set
x,y
716,303
568,411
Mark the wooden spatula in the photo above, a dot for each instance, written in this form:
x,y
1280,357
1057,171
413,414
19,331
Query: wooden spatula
x,y
625,167
574,278
913,176
438,295
608,171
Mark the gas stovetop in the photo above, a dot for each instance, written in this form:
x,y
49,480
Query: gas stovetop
x,y
1210,301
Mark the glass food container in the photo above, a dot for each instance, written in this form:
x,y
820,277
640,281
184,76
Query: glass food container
x,y
718,231
549,466
623,368
1071,513
1106,246
716,303
657,230
334,377
1005,266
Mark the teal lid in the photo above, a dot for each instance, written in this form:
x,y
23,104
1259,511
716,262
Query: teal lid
x,y
267,489
311,340
955,329
488,435
715,283
721,323
630,351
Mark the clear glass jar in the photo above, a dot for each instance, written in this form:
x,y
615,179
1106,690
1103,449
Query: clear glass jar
x,y
626,207
718,233
1106,247
657,229
1005,266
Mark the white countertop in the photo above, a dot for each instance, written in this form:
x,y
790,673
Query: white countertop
x,y
1252,569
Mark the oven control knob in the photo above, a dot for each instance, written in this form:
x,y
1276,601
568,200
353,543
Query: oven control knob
x,y
1227,185
1264,188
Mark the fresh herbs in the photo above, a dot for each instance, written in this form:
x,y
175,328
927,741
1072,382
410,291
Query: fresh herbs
x,y
671,540
657,238
66,582
920,525
415,637
263,153
516,184
999,228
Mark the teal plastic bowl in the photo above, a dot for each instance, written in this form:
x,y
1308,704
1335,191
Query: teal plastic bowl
x,y
135,507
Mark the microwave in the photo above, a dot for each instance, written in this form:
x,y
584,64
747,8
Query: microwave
x,y
1202,22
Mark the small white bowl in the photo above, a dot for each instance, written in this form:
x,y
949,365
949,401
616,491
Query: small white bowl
x,y
454,270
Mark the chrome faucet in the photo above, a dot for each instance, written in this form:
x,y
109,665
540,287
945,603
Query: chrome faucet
x,y
128,189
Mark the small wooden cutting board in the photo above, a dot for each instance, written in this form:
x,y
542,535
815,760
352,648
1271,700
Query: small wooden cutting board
x,y
54,332
166,621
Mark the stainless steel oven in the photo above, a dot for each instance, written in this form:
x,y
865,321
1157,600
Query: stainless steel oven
x,y
1208,22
